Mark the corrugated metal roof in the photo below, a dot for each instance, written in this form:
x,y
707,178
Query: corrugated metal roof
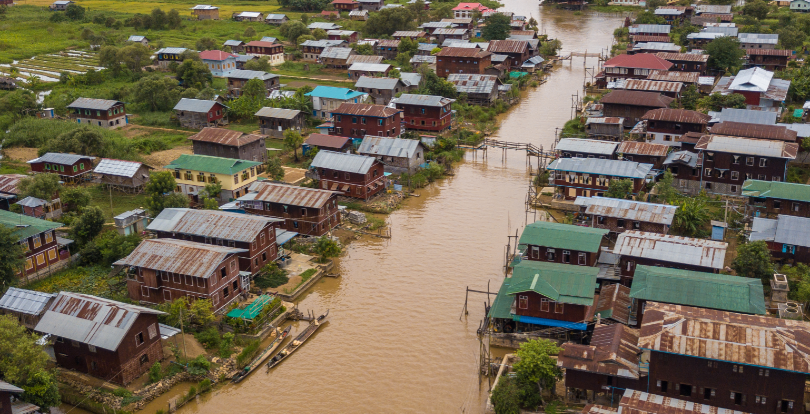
x,y
358,13
377,83
676,115
628,209
686,57
713,8
727,336
370,67
249,14
435,25
752,80
742,129
211,223
179,256
408,33
204,7
289,194
209,164
650,28
8,183
672,76
683,157
668,12
353,163
24,226
643,148
674,249
562,236
653,86
233,43
637,98
596,166
336,53
470,52
760,38
90,320
612,120
6,387
450,32
613,351
323,25
423,59
172,50
472,83
508,46
224,136
422,100
251,74
194,105
701,289
598,409
323,43
331,92
464,44
32,202
559,282
388,147
117,167
275,17
792,230
637,402
25,301
281,113
363,59
360,109
763,229
749,116
748,146
614,303
135,38
776,189
60,158
590,146
656,46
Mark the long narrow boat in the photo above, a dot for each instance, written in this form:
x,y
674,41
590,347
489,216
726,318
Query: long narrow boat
x,y
298,341
263,356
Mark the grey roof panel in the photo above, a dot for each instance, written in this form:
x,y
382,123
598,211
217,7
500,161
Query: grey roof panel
x,y
194,105
763,229
370,67
424,100
673,249
233,43
748,116
336,52
211,223
410,78
172,50
270,112
179,256
590,146
685,157
388,147
339,161
615,168
377,83
25,301
117,167
793,230
32,202
60,158
628,209
251,74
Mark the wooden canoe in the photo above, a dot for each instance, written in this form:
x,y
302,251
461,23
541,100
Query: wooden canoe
x,y
298,341
262,357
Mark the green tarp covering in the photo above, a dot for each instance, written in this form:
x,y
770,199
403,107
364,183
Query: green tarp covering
x,y
252,310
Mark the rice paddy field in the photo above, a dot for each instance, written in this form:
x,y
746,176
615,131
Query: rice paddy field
x,y
48,67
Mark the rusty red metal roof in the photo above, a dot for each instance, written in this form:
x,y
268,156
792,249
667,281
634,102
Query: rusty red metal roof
x,y
598,409
637,98
8,183
388,43
665,75
225,137
614,303
327,141
690,137
669,248
741,129
727,336
638,61
652,86
677,115
471,52
683,57
769,52
179,256
289,194
360,109
613,351
643,148
508,46
651,38
214,224
638,402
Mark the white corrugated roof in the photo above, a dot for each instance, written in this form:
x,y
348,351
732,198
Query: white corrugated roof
x,y
590,146
117,167
339,161
753,80
673,249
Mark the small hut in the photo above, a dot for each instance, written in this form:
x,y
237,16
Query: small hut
x,y
126,176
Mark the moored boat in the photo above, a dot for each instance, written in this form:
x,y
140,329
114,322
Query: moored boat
x,y
263,356
298,341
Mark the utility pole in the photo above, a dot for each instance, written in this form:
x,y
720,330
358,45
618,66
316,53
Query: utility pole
x,y
182,332
725,217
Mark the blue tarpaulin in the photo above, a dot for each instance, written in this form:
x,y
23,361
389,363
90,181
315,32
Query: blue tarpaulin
x,y
549,322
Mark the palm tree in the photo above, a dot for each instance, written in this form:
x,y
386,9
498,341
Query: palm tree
x,y
691,216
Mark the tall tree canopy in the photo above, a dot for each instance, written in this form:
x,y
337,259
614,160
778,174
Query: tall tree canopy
x,y
725,53
25,364
388,21
497,27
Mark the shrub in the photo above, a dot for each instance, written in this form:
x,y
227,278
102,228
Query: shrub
x,y
199,366
155,372
247,354
209,338
271,276
205,385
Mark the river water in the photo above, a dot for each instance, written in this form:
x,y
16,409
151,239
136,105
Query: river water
x,y
394,342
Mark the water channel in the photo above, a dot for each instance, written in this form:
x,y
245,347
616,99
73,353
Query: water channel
x,y
394,342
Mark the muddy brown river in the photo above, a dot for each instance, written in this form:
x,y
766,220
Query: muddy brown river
x,y
394,342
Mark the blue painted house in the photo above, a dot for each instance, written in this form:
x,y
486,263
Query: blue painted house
x,y
220,63
326,99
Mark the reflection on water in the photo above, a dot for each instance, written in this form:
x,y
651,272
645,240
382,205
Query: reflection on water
x,y
394,342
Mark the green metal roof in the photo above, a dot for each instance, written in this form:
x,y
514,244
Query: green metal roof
x,y
26,226
776,189
216,165
562,236
700,289
559,282
502,305
252,310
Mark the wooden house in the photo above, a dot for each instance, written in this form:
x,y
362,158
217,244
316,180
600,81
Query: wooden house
x,y
381,90
238,78
27,306
632,105
480,89
758,40
126,176
169,55
643,152
371,5
204,12
327,142
358,70
771,198
276,19
357,120
425,112
193,172
40,245
761,89
741,380
60,5
686,62
452,60
398,155
619,215
273,51
387,48
99,112
308,211
274,121
585,148
417,35
444,34
352,59
112,340
701,290
237,46
649,29
312,49
605,128
226,143
787,237
138,39
352,175
467,10
636,66
71,168
254,235
768,59
41,209
671,89
162,270
576,177
517,51
345,5
248,17
326,99
8,189
199,114
654,249
336,57
561,243
666,125
753,130
686,78
359,15
131,222
346,35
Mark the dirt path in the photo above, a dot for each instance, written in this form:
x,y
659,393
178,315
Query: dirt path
x,y
334,79
135,127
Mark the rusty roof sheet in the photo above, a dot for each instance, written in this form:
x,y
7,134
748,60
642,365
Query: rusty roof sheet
x,y
674,249
677,115
643,148
652,86
613,302
388,43
651,38
327,141
727,336
628,209
598,409
685,57
748,146
361,109
638,402
463,52
225,137
742,129
8,183
508,46
213,224
690,137
179,256
290,194
363,59
664,75
613,351
90,320
637,98
769,52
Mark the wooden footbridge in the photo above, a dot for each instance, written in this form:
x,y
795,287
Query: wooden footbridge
x,y
531,149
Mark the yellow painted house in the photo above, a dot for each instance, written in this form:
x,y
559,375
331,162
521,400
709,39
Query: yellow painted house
x,y
193,172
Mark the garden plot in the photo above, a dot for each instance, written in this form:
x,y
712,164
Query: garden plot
x,y
48,67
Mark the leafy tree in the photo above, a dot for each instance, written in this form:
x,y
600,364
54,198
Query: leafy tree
x,y
253,98
679,34
304,18
725,53
319,34
388,21
550,47
506,396
305,5
108,58
43,186
440,11
108,247
327,248
757,8
175,200
364,49
249,32
647,17
206,43
84,140
690,97
135,56
88,225
155,93
271,276
275,172
11,259
692,216
716,102
194,74
535,364
621,189
292,30
173,19
210,194
791,38
408,47
753,260
207,93
25,364
160,184
74,12
435,85
666,192
74,198
201,312
293,141
303,38
654,4
159,19
497,27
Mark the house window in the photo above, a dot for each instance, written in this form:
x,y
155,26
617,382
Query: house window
x,y
785,406
735,159
535,252
707,172
37,241
600,220
91,348
738,369
762,177
709,156
777,204
139,339
735,175
48,237
189,281
558,307
75,344
685,390
763,162
776,178
566,256
733,188
636,225
581,258
236,178
708,393
739,398
551,255
225,292
620,224
144,359
40,259
164,276
545,305
523,302
223,272
200,282
749,161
